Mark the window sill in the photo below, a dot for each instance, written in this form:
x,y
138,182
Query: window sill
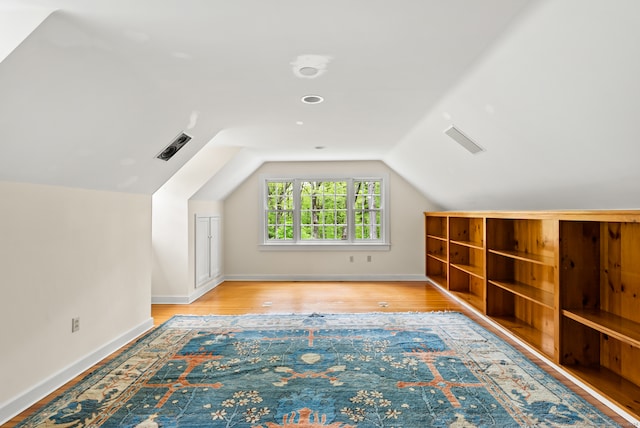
x,y
324,247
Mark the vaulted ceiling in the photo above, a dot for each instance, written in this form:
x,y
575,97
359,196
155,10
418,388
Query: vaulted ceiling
x,y
92,90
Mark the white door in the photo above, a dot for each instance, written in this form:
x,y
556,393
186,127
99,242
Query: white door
x,y
215,253
207,251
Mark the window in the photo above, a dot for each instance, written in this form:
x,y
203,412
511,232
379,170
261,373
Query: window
x,y
342,212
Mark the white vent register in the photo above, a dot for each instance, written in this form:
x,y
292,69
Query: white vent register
x,y
463,140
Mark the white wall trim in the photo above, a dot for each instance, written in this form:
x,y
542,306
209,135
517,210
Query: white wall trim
x,y
205,288
170,300
21,402
186,300
336,277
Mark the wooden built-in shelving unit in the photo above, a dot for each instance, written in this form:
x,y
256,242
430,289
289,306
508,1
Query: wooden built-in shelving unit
x,y
436,248
566,283
466,259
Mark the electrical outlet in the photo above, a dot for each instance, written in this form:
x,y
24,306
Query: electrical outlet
x,y
351,259
368,258
75,324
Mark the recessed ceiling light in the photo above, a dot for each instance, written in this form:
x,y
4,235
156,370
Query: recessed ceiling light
x,y
299,122
312,99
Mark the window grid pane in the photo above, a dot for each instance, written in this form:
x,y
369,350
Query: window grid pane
x,y
323,213
279,212
367,210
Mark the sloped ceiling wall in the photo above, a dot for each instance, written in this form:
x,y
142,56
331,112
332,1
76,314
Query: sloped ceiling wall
x,y
75,112
553,101
100,87
17,24
555,105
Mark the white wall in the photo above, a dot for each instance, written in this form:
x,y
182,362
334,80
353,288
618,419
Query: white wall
x,y
245,260
170,244
554,103
67,253
172,273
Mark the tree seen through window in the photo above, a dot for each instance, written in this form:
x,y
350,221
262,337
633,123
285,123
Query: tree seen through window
x,y
324,210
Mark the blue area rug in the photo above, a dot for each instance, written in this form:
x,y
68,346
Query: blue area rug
x,y
339,371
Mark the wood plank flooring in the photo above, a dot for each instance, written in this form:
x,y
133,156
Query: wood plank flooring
x,y
235,298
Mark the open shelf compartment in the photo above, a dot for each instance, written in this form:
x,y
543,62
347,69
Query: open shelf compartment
x,y
601,360
467,231
531,240
600,288
436,226
468,259
540,339
437,271
437,249
467,287
531,281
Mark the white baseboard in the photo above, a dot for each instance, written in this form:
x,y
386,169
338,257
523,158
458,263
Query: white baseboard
x,y
170,300
204,289
18,404
338,277
185,300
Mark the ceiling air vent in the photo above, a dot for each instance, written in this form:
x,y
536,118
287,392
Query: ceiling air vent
x,y
463,140
173,148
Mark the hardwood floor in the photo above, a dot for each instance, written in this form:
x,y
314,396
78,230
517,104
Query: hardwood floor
x,y
234,298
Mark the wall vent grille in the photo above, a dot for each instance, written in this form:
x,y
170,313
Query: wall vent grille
x,y
177,143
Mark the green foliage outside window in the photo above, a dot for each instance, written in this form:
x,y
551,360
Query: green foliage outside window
x,y
367,209
280,210
324,210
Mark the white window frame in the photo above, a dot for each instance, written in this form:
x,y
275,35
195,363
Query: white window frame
x,y
350,244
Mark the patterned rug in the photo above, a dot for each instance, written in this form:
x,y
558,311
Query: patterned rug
x,y
319,371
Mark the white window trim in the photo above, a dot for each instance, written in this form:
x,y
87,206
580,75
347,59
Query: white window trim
x,y
383,244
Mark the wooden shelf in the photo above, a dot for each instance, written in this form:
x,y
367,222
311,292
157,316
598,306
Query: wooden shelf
x,y
610,324
533,336
438,257
476,245
439,280
526,257
472,299
616,388
439,238
477,271
436,226
528,292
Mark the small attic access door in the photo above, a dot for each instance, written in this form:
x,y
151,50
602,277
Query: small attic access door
x,y
207,251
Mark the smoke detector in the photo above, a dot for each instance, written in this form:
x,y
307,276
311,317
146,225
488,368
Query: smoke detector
x,y
310,66
177,143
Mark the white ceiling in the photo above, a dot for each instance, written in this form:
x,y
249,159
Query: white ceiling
x,y
549,88
101,86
